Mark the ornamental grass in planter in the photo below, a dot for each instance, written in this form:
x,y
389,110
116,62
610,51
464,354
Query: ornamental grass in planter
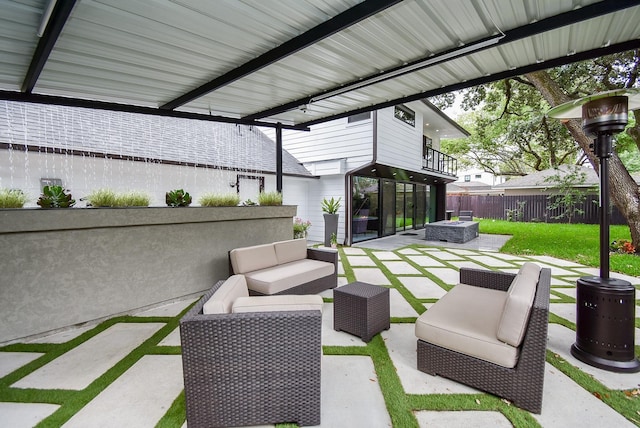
x,y
109,198
270,198
219,200
12,198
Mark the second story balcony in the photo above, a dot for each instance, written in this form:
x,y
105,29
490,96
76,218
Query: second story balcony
x,y
436,161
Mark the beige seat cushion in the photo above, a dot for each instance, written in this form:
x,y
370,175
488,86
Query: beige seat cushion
x,y
282,302
291,250
222,300
465,320
515,317
282,277
249,259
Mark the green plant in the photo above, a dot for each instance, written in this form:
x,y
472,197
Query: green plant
x,y
567,196
12,198
133,199
55,197
102,198
109,198
270,198
249,203
516,214
300,227
622,246
178,198
331,206
334,239
219,200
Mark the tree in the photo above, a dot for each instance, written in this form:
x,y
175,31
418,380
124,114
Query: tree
x,y
510,118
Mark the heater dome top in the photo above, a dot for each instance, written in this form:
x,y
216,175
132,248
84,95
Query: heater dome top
x,y
573,109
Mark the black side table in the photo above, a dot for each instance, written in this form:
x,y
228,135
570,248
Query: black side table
x,y
361,309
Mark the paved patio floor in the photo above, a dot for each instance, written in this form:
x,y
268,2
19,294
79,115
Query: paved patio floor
x,y
141,392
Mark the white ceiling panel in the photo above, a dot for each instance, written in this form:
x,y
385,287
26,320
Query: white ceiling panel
x,y
263,59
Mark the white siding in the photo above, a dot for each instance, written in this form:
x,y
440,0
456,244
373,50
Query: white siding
x,y
330,141
325,187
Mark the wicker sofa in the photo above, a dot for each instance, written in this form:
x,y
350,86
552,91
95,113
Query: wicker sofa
x,y
490,332
251,368
286,267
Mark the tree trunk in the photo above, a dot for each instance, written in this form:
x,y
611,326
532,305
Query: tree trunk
x,y
625,192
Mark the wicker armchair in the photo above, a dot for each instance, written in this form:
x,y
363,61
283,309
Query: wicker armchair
x,y
521,384
251,368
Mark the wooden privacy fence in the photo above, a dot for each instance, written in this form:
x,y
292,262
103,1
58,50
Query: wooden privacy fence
x,y
526,208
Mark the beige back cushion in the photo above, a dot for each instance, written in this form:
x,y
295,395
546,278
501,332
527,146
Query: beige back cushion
x,y
249,259
222,300
515,316
282,302
291,250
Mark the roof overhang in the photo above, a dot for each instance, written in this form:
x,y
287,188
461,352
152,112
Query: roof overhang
x,y
295,62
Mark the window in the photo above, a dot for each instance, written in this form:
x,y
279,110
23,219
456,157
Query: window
x,y
467,178
359,117
405,114
478,176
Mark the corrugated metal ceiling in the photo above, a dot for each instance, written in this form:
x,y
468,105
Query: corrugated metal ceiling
x,y
260,55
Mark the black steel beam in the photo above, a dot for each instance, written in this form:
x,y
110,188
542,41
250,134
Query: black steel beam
x,y
556,62
529,30
128,108
56,23
337,23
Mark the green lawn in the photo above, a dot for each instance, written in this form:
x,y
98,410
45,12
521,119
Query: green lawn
x,y
576,242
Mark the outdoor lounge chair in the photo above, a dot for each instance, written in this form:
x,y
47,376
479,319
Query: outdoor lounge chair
x,y
517,372
253,368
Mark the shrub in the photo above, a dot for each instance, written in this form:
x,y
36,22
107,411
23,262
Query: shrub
x,y
12,198
178,198
623,246
331,206
270,198
133,199
55,197
219,200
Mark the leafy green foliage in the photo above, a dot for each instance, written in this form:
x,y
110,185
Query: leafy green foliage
x,y
178,198
12,198
331,206
55,197
270,198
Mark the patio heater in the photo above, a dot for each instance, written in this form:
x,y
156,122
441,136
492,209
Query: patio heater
x,y
605,307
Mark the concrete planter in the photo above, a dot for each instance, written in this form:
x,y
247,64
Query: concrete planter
x,y
67,266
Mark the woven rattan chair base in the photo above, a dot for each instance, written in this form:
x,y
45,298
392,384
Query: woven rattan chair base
x,y
523,384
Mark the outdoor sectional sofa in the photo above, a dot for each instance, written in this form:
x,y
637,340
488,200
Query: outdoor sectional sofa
x,y
251,360
490,332
286,267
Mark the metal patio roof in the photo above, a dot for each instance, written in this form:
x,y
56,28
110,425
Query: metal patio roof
x,y
298,62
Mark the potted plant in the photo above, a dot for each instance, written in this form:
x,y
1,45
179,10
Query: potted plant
x,y
330,209
300,228
55,197
334,241
178,198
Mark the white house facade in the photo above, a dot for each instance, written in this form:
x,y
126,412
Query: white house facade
x,y
384,165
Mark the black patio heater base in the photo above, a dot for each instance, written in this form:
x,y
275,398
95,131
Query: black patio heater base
x,y
605,324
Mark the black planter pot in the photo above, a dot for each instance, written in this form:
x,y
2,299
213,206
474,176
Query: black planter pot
x,y
330,226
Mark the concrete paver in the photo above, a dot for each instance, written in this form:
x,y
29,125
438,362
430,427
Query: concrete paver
x,y
494,262
448,275
11,361
469,419
169,310
401,268
566,404
422,287
138,398
24,415
386,255
351,395
399,307
82,365
425,261
361,261
371,275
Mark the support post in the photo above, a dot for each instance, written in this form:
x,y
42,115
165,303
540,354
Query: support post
x,y
279,157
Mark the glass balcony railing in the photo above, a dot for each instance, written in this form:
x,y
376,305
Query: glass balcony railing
x,y
439,162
